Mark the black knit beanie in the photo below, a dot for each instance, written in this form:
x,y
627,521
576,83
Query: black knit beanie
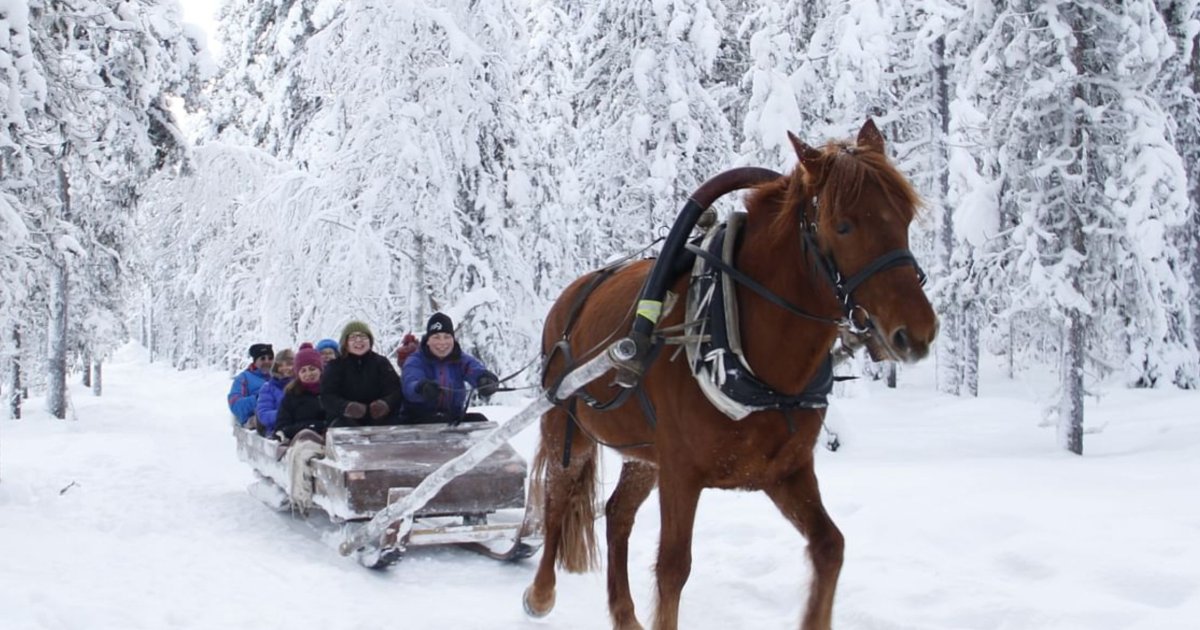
x,y
439,323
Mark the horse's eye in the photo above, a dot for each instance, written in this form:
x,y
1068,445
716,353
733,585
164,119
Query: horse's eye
x,y
843,228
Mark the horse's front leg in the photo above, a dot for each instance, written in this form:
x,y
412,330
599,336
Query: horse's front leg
x,y
678,496
637,480
799,498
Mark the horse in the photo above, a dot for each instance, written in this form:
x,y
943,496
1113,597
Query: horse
x,y
845,209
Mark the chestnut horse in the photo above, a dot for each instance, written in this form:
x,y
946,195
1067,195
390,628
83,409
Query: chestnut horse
x,y
853,209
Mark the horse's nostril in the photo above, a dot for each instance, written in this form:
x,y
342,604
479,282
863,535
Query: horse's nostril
x,y
900,339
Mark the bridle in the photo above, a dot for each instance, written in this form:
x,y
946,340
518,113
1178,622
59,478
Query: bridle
x,y
856,317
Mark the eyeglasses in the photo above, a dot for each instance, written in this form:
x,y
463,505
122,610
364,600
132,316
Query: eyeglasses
x,y
358,337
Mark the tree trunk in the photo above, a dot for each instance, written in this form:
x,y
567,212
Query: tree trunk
x,y
969,361
949,361
1194,194
1012,349
97,378
87,369
1074,243
153,334
12,387
949,355
1070,419
145,327
56,388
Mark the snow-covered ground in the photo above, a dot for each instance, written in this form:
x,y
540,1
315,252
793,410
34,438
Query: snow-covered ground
x,y
958,514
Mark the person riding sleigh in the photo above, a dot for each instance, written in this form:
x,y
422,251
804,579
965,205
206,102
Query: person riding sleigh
x,y
434,377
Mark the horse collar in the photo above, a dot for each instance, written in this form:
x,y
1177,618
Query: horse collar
x,y
715,351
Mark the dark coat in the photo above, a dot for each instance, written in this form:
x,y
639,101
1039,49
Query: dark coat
x,y
363,379
299,410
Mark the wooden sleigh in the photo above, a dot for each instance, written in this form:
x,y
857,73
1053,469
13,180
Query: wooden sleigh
x,y
364,470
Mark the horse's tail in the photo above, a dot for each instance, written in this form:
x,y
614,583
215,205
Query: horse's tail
x,y
577,550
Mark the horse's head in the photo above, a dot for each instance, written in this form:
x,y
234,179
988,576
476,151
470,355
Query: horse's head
x,y
857,208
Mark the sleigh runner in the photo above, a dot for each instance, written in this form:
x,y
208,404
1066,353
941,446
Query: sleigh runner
x,y
364,470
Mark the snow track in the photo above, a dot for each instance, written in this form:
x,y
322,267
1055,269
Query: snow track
x,y
958,514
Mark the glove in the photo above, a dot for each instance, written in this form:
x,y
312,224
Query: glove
x,y
379,409
354,410
429,390
488,384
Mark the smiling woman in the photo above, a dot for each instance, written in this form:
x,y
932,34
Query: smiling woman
x,y
361,387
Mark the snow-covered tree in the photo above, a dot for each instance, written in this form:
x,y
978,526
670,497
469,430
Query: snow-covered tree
x,y
650,127
777,34
394,133
23,90
544,190
1088,181
1178,90
109,68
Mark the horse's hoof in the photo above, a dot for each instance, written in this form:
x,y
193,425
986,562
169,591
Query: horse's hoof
x,y
533,611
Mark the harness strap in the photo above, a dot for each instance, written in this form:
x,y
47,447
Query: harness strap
x,y
647,407
791,421
753,285
599,277
564,346
569,433
626,392
895,258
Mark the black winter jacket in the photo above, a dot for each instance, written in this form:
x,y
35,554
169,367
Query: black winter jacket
x,y
362,379
299,410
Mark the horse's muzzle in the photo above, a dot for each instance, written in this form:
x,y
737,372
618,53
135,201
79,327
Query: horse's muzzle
x,y
910,344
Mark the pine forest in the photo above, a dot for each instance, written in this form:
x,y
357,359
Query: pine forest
x,y
353,159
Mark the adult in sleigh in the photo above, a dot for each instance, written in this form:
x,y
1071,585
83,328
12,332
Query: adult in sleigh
x,y
360,388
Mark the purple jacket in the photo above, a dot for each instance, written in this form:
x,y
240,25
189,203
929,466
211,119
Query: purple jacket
x,y
269,398
451,374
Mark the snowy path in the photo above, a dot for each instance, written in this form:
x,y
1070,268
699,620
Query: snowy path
x,y
959,514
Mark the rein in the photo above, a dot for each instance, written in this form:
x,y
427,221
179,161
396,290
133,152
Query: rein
x,y
753,285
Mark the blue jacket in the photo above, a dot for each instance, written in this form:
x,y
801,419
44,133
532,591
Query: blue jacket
x,y
243,394
269,398
449,373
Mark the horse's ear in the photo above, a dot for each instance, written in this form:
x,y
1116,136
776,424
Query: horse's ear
x,y
810,158
869,136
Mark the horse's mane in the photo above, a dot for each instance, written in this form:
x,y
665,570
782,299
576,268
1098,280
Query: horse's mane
x,y
846,169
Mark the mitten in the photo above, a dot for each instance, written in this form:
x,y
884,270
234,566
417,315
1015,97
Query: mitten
x,y
488,384
354,410
379,409
429,390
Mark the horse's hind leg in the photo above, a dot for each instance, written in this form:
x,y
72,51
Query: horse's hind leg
x,y
799,498
637,480
568,497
